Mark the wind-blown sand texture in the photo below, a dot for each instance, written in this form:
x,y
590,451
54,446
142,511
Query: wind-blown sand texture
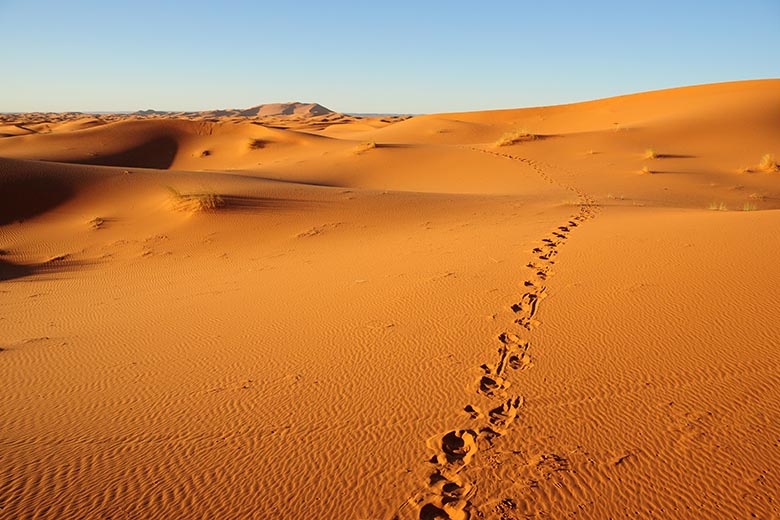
x,y
311,315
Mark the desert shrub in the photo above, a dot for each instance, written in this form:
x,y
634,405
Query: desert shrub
x,y
194,202
768,163
364,147
514,137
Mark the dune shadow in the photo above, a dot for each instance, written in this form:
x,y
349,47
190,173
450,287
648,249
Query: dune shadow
x,y
247,203
13,271
158,153
674,156
10,271
21,199
394,145
302,182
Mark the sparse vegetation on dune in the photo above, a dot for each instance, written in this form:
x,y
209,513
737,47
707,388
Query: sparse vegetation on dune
x,y
96,223
364,147
749,206
194,202
514,137
257,144
718,206
650,153
768,163
645,170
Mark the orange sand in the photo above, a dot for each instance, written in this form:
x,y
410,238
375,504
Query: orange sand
x,y
290,313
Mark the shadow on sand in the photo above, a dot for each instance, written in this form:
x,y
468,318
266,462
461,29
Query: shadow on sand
x,y
157,153
13,271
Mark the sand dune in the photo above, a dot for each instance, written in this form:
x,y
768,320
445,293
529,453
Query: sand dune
x,y
339,317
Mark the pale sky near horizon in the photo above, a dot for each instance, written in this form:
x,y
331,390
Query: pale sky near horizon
x,y
381,57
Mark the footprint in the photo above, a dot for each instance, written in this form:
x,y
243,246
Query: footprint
x,y
514,353
528,323
491,385
444,497
472,411
452,487
446,512
502,417
454,449
529,303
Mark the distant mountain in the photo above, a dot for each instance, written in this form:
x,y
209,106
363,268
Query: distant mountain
x,y
286,109
293,108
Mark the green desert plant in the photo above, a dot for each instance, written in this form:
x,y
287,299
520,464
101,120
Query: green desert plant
x,y
194,202
514,137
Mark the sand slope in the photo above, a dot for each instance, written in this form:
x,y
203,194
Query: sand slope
x,y
395,319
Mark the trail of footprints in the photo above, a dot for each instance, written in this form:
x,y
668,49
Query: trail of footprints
x,y
446,493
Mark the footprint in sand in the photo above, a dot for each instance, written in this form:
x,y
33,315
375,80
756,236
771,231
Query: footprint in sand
x,y
502,416
492,385
454,449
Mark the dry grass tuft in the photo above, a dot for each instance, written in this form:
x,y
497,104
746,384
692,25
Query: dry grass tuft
x,y
257,144
96,223
364,147
194,202
514,137
768,163
650,153
645,170
749,206
718,206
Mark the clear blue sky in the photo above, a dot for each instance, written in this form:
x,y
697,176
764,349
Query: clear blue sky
x,y
367,56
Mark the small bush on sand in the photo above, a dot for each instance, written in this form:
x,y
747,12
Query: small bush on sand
x,y
650,153
718,206
257,144
194,202
514,137
645,170
96,223
749,206
768,163
364,147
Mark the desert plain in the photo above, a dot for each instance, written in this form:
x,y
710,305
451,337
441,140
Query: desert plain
x,y
284,312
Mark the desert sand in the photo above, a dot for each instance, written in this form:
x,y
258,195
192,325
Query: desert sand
x,y
285,312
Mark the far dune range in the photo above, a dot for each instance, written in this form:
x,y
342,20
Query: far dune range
x,y
286,312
